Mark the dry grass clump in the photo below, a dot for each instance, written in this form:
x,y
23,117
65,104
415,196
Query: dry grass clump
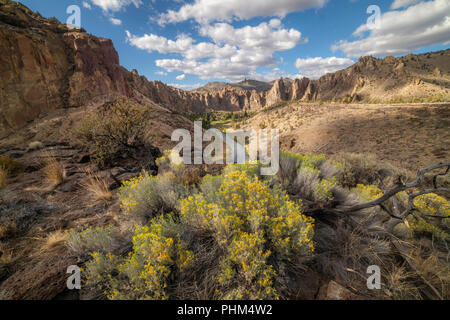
x,y
97,187
7,256
434,269
53,169
7,229
53,241
400,283
3,178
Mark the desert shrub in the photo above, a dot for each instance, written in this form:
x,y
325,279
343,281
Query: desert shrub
x,y
300,175
252,229
157,255
290,163
434,217
313,160
431,219
368,193
324,189
354,169
305,183
83,241
251,223
114,132
170,162
146,196
251,168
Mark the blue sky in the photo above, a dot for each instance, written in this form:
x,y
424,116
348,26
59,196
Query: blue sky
x,y
189,43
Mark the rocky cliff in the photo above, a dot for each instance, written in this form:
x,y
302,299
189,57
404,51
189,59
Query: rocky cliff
x,y
369,79
45,66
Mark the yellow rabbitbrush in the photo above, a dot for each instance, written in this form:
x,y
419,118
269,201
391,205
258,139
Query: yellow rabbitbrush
x,y
253,229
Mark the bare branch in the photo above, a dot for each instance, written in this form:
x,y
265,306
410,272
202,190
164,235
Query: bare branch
x,y
399,188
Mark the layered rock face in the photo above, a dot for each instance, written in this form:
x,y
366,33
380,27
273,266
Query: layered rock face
x,y
34,65
45,66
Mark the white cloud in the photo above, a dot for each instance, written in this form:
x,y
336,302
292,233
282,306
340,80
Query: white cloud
x,y
186,86
397,4
115,21
205,11
233,53
181,77
316,67
115,5
404,31
161,73
87,5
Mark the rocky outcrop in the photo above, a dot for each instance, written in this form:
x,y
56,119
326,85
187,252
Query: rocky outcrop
x,y
45,66
34,65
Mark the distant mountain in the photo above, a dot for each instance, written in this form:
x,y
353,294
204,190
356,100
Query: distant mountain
x,y
243,85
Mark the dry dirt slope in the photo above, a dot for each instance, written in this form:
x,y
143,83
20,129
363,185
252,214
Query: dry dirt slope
x,y
408,135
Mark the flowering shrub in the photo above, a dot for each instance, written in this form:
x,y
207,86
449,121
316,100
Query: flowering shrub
x,y
431,205
157,254
432,209
324,190
254,228
368,193
251,168
251,222
313,160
